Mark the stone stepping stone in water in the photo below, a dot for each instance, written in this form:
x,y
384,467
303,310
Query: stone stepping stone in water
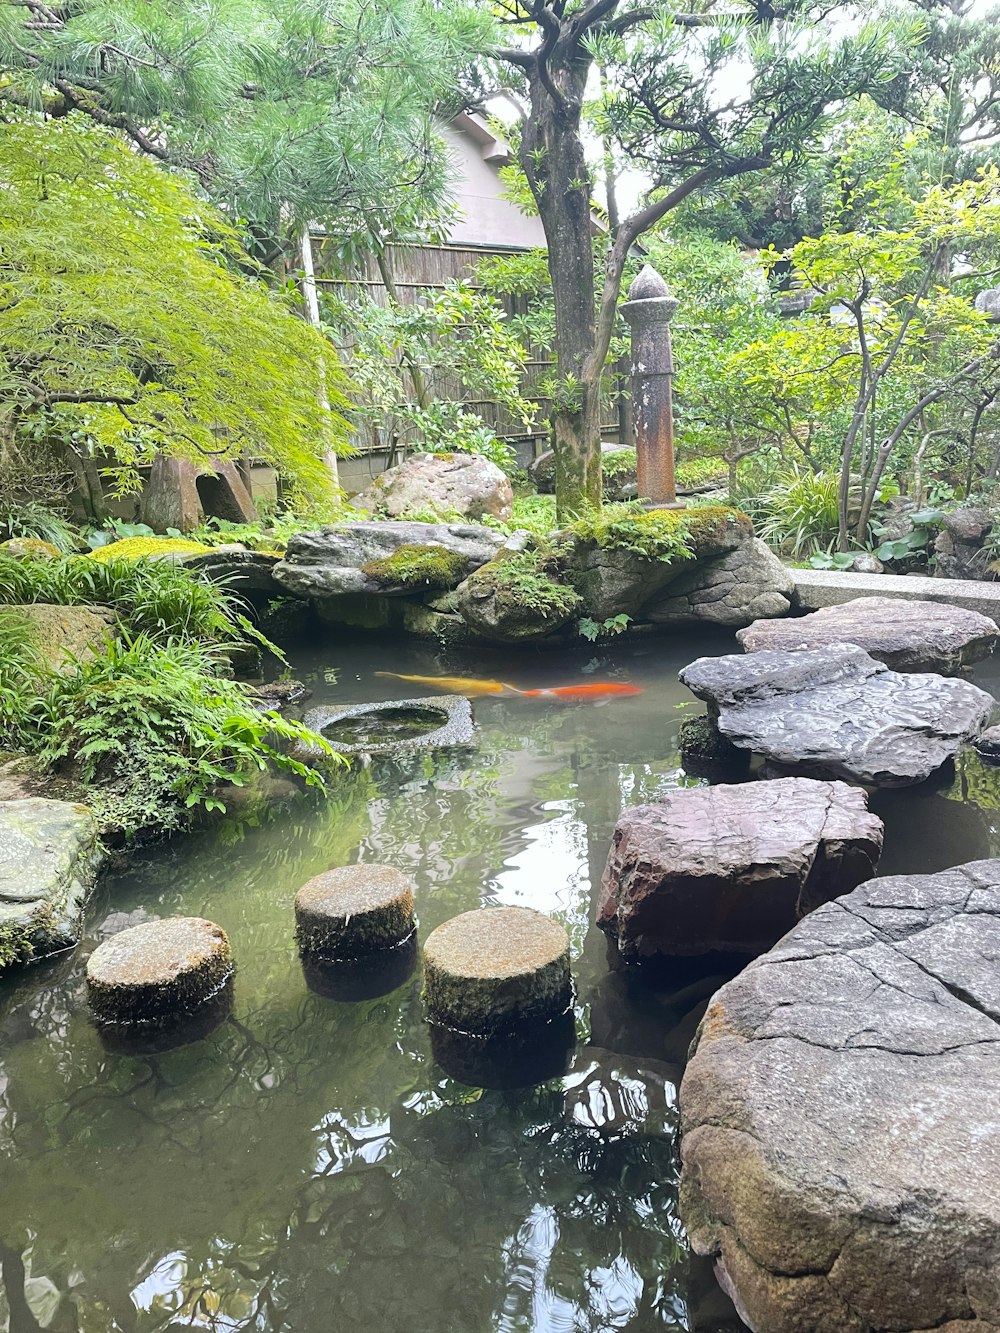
x,y
732,868
354,911
841,1116
905,635
497,969
836,712
160,971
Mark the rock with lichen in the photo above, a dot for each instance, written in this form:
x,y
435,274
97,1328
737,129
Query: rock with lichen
x,y
49,858
620,559
447,484
516,598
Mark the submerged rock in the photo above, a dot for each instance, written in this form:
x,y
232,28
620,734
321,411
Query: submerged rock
x,y
841,1143
49,858
465,484
496,969
159,971
733,589
906,636
353,911
329,563
732,868
836,711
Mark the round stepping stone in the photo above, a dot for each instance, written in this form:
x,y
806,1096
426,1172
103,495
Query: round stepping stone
x,y
353,911
158,971
496,968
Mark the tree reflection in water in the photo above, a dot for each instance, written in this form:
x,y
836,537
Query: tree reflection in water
x,y
307,1167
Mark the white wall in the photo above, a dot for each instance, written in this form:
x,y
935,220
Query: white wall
x,y
485,218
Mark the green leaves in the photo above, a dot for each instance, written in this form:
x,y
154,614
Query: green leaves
x,y
126,323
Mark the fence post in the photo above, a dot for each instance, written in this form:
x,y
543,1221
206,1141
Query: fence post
x,y
649,310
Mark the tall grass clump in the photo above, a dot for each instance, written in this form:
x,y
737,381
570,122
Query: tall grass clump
x,y
151,597
799,514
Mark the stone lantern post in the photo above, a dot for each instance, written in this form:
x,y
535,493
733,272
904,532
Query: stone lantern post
x,y
649,310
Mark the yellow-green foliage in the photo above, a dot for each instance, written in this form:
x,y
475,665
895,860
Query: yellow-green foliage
x,y
661,534
128,313
412,565
20,547
148,548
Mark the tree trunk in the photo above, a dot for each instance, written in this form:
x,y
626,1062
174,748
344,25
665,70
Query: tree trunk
x,y
553,158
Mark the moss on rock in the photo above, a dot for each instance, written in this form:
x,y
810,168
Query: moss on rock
x,y
149,548
30,548
414,566
663,534
516,597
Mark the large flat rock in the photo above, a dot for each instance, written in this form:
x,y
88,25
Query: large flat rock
x,y
830,587
841,1116
49,857
732,868
905,635
835,711
327,563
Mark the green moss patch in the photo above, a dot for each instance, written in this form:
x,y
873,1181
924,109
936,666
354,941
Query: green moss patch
x,y
146,548
415,566
662,534
522,582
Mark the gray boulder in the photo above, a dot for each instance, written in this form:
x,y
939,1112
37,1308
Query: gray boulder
x,y
746,583
467,484
906,636
49,857
328,563
841,1142
836,711
241,569
615,579
958,548
988,744
732,868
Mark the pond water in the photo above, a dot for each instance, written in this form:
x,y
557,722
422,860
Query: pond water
x,y
309,1167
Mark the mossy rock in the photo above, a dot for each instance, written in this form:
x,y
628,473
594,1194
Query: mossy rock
x,y
621,558
354,911
431,567
158,971
60,636
149,548
497,969
516,597
30,548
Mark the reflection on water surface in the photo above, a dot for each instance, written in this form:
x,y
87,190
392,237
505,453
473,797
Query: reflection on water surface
x,y
308,1167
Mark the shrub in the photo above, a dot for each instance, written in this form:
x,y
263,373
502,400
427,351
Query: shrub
x,y
28,518
151,728
659,534
524,581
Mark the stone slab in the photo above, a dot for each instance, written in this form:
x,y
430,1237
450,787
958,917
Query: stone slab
x,y
835,711
815,588
905,635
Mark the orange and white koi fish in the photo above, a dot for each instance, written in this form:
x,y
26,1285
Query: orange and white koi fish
x,y
596,689
455,684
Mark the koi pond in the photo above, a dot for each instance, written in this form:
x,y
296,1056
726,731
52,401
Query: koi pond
x,y
308,1166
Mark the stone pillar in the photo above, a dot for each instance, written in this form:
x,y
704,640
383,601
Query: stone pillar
x,y
649,310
